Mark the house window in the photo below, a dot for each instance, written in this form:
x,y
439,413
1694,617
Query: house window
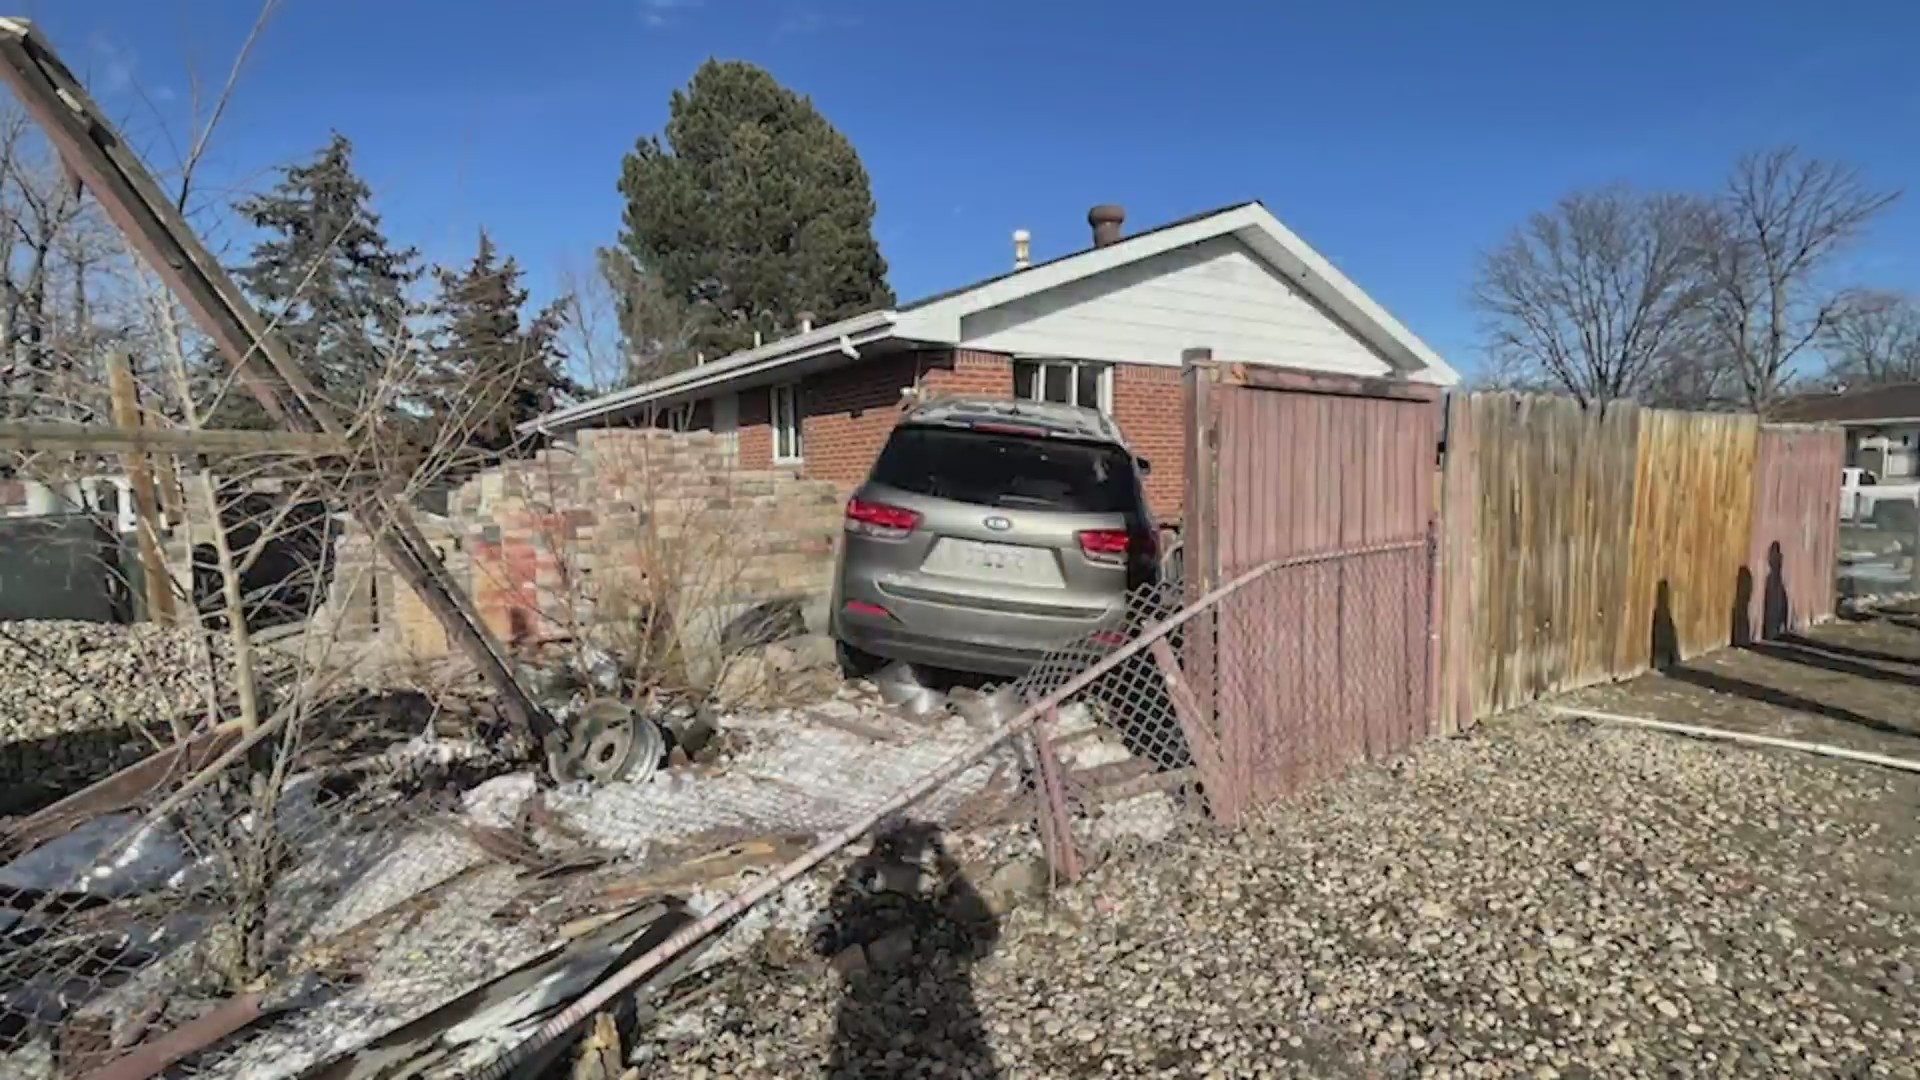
x,y
786,424
1069,382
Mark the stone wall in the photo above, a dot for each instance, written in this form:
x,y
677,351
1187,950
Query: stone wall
x,y
579,537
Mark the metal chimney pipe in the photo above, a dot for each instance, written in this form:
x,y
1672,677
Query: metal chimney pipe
x,y
1022,249
1106,220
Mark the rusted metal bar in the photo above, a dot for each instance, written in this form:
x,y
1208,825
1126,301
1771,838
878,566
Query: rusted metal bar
x,y
155,1056
123,790
120,182
1056,823
1202,746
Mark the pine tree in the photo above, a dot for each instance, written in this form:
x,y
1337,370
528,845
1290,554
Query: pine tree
x,y
491,372
753,208
331,285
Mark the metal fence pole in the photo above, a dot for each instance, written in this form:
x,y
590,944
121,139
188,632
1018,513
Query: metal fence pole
x,y
1056,824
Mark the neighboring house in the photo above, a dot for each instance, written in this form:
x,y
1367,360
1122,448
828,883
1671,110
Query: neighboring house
x,y
1104,327
106,497
1882,425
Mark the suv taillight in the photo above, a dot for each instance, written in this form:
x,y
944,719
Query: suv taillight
x,y
1105,546
878,520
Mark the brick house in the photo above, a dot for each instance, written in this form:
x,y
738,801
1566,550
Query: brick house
x,y
1104,326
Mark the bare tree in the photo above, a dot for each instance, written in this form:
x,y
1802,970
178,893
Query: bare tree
x,y
1773,233
1595,296
1873,338
623,328
54,242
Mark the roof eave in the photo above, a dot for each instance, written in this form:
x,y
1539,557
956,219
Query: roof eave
x,y
858,330
1871,421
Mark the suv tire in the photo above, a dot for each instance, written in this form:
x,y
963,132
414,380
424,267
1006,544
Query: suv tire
x,y
855,663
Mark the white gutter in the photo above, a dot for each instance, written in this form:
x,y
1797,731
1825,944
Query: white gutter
x,y
834,337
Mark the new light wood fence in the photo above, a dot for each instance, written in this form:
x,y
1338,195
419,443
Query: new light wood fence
x,y
1579,545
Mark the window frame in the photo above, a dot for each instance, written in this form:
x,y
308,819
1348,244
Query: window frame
x,y
1104,389
789,428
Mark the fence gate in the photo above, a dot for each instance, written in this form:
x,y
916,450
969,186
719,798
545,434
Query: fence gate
x,y
1323,659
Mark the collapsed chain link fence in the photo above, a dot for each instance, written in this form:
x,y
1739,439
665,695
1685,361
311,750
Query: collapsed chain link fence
x,y
329,892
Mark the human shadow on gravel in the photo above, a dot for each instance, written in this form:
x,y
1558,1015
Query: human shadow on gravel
x,y
903,929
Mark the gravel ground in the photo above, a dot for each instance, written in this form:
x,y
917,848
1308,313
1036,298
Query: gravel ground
x,y
70,693
68,676
1540,899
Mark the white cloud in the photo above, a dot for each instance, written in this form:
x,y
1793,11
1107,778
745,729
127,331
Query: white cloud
x,y
113,66
658,13
806,19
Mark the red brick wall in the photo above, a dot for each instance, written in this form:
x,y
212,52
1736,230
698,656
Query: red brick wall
x,y
1146,405
756,436
849,411
969,371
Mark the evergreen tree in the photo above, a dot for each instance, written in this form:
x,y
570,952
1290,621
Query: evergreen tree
x,y
334,289
753,208
491,372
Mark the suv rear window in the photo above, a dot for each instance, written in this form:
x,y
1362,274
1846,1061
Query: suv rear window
x,y
1009,471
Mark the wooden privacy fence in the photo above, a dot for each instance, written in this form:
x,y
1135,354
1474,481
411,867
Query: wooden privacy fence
x,y
1584,545
1796,509
1324,660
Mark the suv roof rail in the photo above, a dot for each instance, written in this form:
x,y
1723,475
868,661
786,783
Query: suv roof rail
x,y
1071,421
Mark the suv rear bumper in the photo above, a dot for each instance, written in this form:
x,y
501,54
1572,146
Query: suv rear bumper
x,y
892,643
985,642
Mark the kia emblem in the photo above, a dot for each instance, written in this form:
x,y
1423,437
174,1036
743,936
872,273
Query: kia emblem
x,y
998,524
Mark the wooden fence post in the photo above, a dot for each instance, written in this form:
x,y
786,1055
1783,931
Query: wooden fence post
x,y
1199,542
1459,509
1201,547
146,512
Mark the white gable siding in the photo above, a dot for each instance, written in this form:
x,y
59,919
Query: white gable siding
x,y
1215,294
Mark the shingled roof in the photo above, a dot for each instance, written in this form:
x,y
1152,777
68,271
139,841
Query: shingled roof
x,y
1876,404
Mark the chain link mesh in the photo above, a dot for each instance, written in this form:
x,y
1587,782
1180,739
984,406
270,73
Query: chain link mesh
x,y
352,876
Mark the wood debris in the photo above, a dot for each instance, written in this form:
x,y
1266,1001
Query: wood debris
x,y
696,873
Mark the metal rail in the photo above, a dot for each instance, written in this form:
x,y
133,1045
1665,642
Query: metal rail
x,y
93,150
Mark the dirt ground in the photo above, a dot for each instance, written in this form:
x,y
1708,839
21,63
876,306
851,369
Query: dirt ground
x,y
1853,683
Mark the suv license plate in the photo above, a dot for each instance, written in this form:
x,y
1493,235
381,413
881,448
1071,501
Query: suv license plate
x,y
999,557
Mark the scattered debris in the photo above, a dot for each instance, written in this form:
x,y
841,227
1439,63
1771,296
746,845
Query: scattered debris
x,y
901,687
701,872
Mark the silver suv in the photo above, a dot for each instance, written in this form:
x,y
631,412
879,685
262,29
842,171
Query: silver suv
x,y
988,533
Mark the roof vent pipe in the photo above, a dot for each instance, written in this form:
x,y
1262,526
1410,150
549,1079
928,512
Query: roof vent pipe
x,y
1106,220
806,322
1022,249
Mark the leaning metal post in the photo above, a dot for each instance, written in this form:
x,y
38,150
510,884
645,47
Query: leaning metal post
x,y
93,151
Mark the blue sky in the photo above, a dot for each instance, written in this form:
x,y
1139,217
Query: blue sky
x,y
1399,139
